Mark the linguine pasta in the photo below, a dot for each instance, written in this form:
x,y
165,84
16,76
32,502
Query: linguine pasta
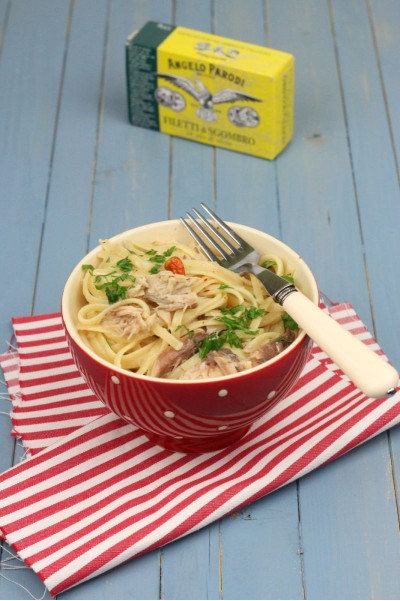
x,y
164,310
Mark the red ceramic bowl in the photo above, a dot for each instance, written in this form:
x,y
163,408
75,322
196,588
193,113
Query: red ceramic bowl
x,y
190,416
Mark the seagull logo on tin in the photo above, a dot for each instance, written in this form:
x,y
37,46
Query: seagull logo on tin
x,y
204,97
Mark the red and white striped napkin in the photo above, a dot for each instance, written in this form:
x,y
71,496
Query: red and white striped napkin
x,y
95,492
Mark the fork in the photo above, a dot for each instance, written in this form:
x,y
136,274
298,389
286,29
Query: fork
x,y
374,376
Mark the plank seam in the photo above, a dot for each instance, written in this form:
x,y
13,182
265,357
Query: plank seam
x,y
5,24
100,110
351,160
53,147
382,81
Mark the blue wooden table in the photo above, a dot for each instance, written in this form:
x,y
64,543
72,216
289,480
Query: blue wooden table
x,y
72,170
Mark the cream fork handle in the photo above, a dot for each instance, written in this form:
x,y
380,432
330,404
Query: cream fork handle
x,y
370,373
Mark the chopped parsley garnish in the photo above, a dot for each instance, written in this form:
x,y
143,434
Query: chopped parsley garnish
x,y
169,252
157,259
190,333
253,312
268,263
232,322
223,286
236,323
154,269
232,310
216,340
111,285
113,290
288,277
288,322
84,267
125,264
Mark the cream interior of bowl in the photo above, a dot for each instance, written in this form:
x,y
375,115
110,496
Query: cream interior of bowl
x,y
166,231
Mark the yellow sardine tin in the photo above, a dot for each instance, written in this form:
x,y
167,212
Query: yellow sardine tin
x,y
210,89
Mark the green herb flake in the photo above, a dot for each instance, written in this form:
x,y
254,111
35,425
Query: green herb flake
x,y
223,286
125,264
288,322
190,333
232,310
237,323
84,267
108,259
151,252
268,263
116,293
288,277
157,259
154,269
253,312
169,252
234,339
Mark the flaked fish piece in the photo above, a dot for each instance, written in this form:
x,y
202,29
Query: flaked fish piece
x,y
267,351
169,359
128,320
223,362
170,291
139,288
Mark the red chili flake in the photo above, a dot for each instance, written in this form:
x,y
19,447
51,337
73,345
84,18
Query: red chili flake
x,y
175,265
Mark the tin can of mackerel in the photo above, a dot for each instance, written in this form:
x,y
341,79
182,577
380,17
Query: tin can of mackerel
x,y
210,89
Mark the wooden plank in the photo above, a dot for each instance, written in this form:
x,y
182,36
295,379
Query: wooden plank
x,y
131,187
385,19
5,403
319,212
5,6
132,175
245,185
192,166
29,82
65,229
264,544
373,162
30,75
347,551
190,566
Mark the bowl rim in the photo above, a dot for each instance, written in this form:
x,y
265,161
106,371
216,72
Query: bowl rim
x,y
72,331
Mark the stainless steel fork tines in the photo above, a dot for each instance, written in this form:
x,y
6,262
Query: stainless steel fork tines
x,y
235,251
238,255
374,376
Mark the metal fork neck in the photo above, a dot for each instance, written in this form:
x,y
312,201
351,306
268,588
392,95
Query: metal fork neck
x,y
277,287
